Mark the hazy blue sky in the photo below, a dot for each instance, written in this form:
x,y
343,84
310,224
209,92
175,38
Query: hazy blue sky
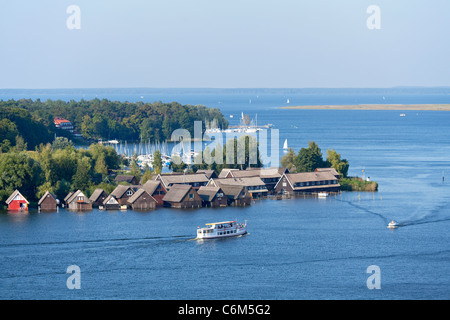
x,y
224,43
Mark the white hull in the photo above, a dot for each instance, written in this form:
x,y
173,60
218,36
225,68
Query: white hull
x,y
392,225
222,230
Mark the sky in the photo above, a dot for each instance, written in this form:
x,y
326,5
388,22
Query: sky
x,y
224,44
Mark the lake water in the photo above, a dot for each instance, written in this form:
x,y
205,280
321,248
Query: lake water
x,y
296,249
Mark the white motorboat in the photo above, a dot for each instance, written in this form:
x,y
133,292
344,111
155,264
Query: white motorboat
x,y
322,194
392,225
222,230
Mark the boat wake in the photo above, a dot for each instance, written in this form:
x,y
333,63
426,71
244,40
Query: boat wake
x,y
95,241
422,215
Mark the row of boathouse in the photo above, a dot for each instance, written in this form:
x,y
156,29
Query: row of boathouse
x,y
232,187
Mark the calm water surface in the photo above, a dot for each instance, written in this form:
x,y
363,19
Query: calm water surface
x,y
297,249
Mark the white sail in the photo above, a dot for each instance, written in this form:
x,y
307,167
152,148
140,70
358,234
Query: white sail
x,y
285,146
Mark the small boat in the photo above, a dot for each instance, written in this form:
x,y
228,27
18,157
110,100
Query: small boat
x,y
322,194
402,114
285,145
392,225
222,230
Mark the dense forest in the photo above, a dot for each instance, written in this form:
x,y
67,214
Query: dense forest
x,y
99,119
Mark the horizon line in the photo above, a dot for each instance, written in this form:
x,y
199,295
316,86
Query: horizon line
x,y
229,88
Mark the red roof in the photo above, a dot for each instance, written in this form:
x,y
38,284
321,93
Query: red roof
x,y
60,120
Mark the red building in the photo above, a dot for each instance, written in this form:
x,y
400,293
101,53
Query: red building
x,y
62,123
17,202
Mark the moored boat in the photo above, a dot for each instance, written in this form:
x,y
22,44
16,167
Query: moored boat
x,y
222,230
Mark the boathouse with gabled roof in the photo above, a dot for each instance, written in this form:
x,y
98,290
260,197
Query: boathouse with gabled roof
x,y
156,189
255,186
307,183
97,197
141,200
110,203
195,180
212,196
237,195
48,202
269,176
78,201
123,192
182,196
17,202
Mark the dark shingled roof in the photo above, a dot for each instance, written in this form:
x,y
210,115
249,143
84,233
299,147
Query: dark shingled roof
x,y
150,186
232,191
96,194
124,177
177,192
138,194
208,193
120,190
45,196
183,178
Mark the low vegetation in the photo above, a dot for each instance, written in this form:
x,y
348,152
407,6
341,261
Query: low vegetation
x,y
358,184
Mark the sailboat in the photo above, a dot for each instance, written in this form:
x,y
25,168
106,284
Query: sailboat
x,y
285,146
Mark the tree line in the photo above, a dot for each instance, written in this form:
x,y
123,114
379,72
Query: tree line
x,y
58,167
99,119
311,158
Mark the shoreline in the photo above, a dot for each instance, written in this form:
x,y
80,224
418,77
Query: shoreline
x,y
395,107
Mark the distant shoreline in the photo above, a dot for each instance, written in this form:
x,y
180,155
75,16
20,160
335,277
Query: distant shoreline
x,y
399,107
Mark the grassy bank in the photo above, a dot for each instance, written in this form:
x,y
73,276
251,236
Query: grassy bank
x,y
357,184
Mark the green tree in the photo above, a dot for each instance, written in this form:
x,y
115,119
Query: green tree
x,y
309,159
157,162
82,178
61,143
334,161
8,131
177,164
100,166
134,169
288,160
21,145
147,175
19,171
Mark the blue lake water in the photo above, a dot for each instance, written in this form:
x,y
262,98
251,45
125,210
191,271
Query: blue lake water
x,y
296,249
